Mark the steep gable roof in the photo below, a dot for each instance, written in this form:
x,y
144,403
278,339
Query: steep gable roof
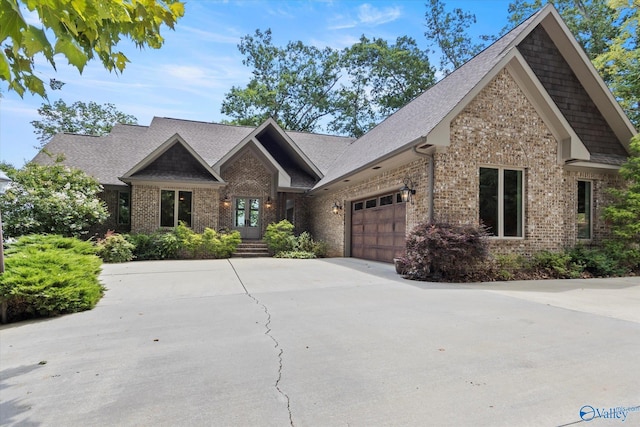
x,y
425,120
174,159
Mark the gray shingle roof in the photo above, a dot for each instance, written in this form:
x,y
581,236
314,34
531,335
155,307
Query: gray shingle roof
x,y
415,120
109,157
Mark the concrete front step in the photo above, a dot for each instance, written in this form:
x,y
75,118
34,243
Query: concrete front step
x,y
251,250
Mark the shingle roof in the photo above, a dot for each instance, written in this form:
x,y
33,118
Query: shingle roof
x,y
109,157
420,116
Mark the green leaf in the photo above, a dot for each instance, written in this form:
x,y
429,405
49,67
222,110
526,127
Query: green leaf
x,y
35,41
74,54
11,21
5,73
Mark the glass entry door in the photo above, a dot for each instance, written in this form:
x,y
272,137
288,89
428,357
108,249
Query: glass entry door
x,y
247,217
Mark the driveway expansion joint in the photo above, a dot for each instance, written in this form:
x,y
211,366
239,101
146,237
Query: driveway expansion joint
x,y
276,344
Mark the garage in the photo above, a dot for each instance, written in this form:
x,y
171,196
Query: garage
x,y
378,227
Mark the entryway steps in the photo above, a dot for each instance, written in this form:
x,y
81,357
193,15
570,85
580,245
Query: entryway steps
x,y
251,249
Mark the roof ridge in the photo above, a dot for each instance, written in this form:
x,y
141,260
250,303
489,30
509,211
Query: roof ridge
x,y
204,122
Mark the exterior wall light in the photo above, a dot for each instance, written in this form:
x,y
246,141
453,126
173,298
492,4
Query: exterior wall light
x,y
336,208
226,201
268,203
407,190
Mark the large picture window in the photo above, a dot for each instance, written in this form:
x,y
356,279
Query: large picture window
x,y
175,206
501,201
124,201
585,208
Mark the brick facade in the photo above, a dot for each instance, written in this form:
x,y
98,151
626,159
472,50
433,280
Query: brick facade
x,y
145,204
498,128
334,229
247,176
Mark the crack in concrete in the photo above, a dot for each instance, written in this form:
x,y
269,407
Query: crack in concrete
x,y
276,344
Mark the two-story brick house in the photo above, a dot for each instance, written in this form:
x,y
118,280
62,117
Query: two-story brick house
x,y
525,137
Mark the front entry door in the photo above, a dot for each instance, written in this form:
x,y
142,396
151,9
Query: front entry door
x,y
247,217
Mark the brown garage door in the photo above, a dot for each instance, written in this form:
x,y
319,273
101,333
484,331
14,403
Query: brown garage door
x,y
378,228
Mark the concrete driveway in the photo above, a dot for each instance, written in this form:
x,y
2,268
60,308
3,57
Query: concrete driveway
x,y
334,342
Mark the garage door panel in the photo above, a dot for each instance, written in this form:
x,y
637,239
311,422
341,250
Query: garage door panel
x,y
378,233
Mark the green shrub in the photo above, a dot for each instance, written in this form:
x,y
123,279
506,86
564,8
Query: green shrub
x,y
614,258
279,237
144,247
154,246
283,244
114,248
184,243
229,243
51,199
49,275
557,264
296,255
444,251
626,254
321,249
305,243
508,266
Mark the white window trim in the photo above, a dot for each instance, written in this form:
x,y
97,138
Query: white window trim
x,y
501,170
175,206
591,211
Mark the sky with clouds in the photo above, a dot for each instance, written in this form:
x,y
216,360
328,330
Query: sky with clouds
x,y
188,77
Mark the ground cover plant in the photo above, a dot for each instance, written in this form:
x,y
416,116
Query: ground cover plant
x,y
48,275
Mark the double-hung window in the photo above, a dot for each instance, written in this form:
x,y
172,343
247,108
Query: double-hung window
x,y
585,208
175,206
502,201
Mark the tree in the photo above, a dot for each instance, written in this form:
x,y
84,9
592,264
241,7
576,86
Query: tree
x,y
590,21
379,79
447,30
51,199
608,33
624,214
621,61
82,118
290,84
303,86
80,31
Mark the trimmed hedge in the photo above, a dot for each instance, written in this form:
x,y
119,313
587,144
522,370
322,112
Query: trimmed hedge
x,y
48,275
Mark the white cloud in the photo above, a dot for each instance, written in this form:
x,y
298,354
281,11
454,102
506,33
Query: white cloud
x,y
370,15
367,15
11,106
209,36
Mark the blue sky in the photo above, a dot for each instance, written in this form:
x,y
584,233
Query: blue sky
x,y
188,77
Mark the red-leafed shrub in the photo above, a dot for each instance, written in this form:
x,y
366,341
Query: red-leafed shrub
x,y
442,251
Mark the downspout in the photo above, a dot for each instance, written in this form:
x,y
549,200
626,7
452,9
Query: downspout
x,y
429,156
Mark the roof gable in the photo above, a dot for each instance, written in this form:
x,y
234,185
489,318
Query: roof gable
x,y
174,160
276,147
